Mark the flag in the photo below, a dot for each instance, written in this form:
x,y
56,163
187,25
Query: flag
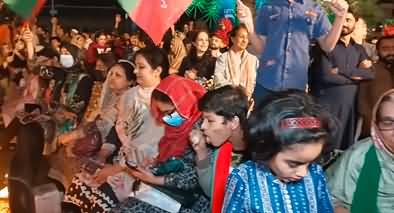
x,y
25,8
155,17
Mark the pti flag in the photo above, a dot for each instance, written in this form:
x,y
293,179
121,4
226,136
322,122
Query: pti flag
x,y
155,17
25,8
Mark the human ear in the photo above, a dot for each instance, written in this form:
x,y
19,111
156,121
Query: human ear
x,y
235,123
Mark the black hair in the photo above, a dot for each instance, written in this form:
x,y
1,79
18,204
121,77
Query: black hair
x,y
205,68
383,38
234,32
160,96
227,101
98,34
155,58
265,136
355,12
56,38
108,59
48,52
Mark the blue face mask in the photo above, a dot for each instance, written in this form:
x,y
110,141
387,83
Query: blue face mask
x,y
174,119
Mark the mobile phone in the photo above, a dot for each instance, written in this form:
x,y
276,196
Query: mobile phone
x,y
31,107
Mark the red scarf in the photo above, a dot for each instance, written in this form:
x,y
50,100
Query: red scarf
x,y
184,94
223,158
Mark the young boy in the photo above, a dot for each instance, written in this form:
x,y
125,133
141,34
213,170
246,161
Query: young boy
x,y
219,144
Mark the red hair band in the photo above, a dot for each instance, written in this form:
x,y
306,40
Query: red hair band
x,y
300,123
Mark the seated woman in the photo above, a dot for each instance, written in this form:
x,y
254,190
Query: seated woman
x,y
65,162
199,64
174,103
220,144
285,136
237,66
135,129
362,179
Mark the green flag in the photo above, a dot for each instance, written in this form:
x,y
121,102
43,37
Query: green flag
x,y
25,8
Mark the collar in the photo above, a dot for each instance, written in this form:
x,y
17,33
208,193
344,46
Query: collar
x,y
351,42
299,1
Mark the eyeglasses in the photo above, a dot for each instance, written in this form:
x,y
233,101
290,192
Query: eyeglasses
x,y
386,124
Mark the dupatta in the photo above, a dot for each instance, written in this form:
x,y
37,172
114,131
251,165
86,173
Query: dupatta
x,y
366,194
184,94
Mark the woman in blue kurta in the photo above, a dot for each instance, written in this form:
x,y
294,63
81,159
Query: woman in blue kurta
x,y
286,134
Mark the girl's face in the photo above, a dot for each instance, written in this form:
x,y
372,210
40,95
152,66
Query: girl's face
x,y
202,42
191,74
292,163
117,79
146,75
386,124
19,44
102,40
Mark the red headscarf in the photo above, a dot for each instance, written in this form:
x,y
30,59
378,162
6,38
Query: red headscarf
x,y
184,94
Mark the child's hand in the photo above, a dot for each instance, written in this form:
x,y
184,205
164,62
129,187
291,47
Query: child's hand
x,y
197,140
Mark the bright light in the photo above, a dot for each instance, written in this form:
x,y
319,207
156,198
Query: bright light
x,y
4,193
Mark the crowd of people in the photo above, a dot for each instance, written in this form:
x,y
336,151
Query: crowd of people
x,y
262,116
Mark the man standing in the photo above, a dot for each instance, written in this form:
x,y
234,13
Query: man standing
x,y
282,35
384,80
335,80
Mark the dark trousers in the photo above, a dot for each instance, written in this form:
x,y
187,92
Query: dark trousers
x,y
341,103
260,93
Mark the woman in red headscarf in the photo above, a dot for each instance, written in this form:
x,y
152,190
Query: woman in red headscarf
x,y
174,103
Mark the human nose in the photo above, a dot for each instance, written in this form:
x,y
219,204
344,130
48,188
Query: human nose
x,y
204,125
302,171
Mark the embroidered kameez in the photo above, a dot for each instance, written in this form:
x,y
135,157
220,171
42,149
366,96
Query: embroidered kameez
x,y
253,188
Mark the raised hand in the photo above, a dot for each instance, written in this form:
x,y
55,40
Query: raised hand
x,y
245,15
339,7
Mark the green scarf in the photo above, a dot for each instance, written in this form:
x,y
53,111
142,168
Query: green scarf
x,y
366,193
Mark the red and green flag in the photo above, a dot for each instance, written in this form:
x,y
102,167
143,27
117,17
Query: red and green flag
x,y
25,8
155,17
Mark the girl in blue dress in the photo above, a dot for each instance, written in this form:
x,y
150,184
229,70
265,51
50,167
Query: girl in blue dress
x,y
287,133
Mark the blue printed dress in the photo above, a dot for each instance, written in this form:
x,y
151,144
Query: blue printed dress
x,y
253,188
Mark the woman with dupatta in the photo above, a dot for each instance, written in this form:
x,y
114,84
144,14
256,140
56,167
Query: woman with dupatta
x,y
136,132
174,103
362,180
237,66
177,53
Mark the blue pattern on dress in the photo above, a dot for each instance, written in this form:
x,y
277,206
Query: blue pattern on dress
x,y
253,188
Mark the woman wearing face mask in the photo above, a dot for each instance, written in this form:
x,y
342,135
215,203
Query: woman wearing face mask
x,y
174,103
285,136
74,94
362,179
